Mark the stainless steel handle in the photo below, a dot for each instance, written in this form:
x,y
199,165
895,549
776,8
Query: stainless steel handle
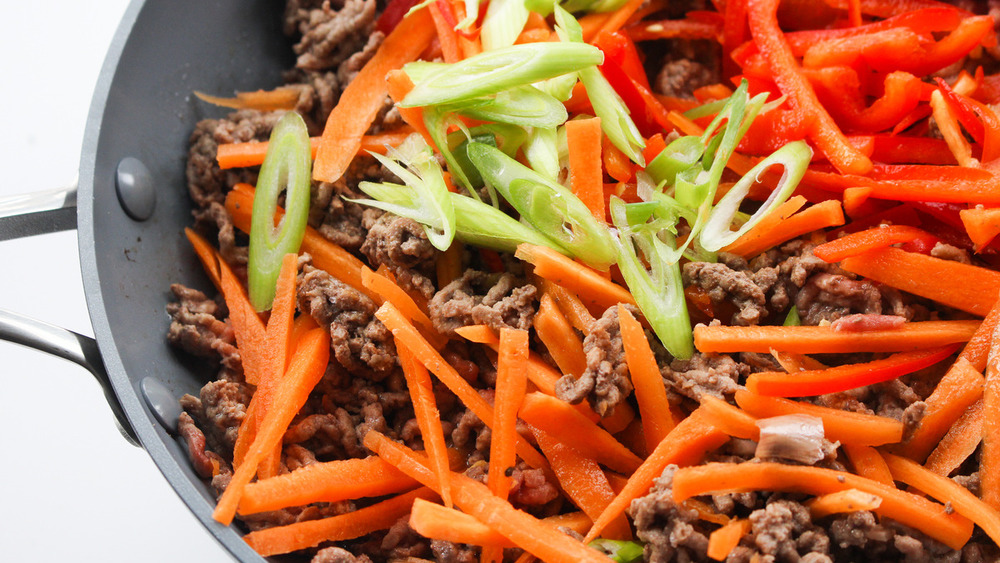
x,y
41,213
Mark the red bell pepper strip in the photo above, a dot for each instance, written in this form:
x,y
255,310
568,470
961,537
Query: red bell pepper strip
x,y
620,49
870,239
811,383
969,34
963,110
914,182
734,32
982,225
393,14
840,90
824,133
989,89
897,149
869,48
649,115
889,8
676,29
901,214
773,129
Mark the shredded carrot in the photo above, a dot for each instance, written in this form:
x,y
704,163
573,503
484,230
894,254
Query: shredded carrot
x,y
981,224
475,499
364,96
616,163
438,522
305,370
826,214
619,418
855,200
446,35
425,409
839,425
839,502
915,511
870,239
977,350
560,420
328,481
960,387
261,100
729,419
945,490
962,439
947,121
586,283
559,337
310,533
390,291
619,17
399,85
684,445
826,340
723,540
406,333
793,363
576,312
510,388
772,219
241,155
583,137
650,391
868,463
449,264
583,481
930,277
989,457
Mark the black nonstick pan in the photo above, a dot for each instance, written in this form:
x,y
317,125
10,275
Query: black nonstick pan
x,y
131,205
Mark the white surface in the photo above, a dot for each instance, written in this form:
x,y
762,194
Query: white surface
x,y
71,488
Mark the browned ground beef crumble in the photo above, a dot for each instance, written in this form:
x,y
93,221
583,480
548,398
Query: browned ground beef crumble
x,y
363,388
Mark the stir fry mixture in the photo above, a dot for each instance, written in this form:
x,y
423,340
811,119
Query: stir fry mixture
x,y
605,279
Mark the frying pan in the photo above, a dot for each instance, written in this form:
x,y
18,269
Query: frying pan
x,y
131,247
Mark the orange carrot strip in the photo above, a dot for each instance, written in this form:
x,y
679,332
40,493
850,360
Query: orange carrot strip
x,y
589,285
650,391
839,502
303,535
449,264
930,277
723,540
241,155
617,419
959,443
619,17
825,340
399,85
945,490
262,100
989,457
706,512
277,352
510,389
793,363
845,377
559,419
364,96
475,499
729,419
842,426
209,258
826,214
686,444
863,241
947,121
977,350
446,35
855,199
960,387
329,481
616,163
773,219
981,224
868,463
438,522
418,381
576,312
581,478
326,255
559,338
406,333
391,292
306,369
913,510
583,137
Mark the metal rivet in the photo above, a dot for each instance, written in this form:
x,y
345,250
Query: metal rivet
x,y
166,408
134,184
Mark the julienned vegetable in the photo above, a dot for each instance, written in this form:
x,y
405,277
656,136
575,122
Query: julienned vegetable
x,y
286,168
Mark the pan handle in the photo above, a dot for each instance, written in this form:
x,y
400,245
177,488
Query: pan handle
x,y
41,213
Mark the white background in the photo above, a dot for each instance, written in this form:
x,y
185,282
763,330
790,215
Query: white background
x,y
71,488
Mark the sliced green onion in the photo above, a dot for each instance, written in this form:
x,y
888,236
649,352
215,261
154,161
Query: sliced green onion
x,y
287,167
792,319
471,15
462,157
431,203
483,225
619,551
608,105
548,206
494,71
542,152
658,291
793,157
682,153
504,21
560,87
526,106
437,122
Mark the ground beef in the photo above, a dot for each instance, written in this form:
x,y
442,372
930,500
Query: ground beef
x,y
530,488
448,552
605,383
496,300
331,32
206,463
198,326
717,375
360,342
338,555
215,218
402,246
784,530
219,410
670,532
337,219
688,65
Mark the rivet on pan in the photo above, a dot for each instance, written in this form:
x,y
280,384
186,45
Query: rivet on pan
x,y
165,406
134,184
